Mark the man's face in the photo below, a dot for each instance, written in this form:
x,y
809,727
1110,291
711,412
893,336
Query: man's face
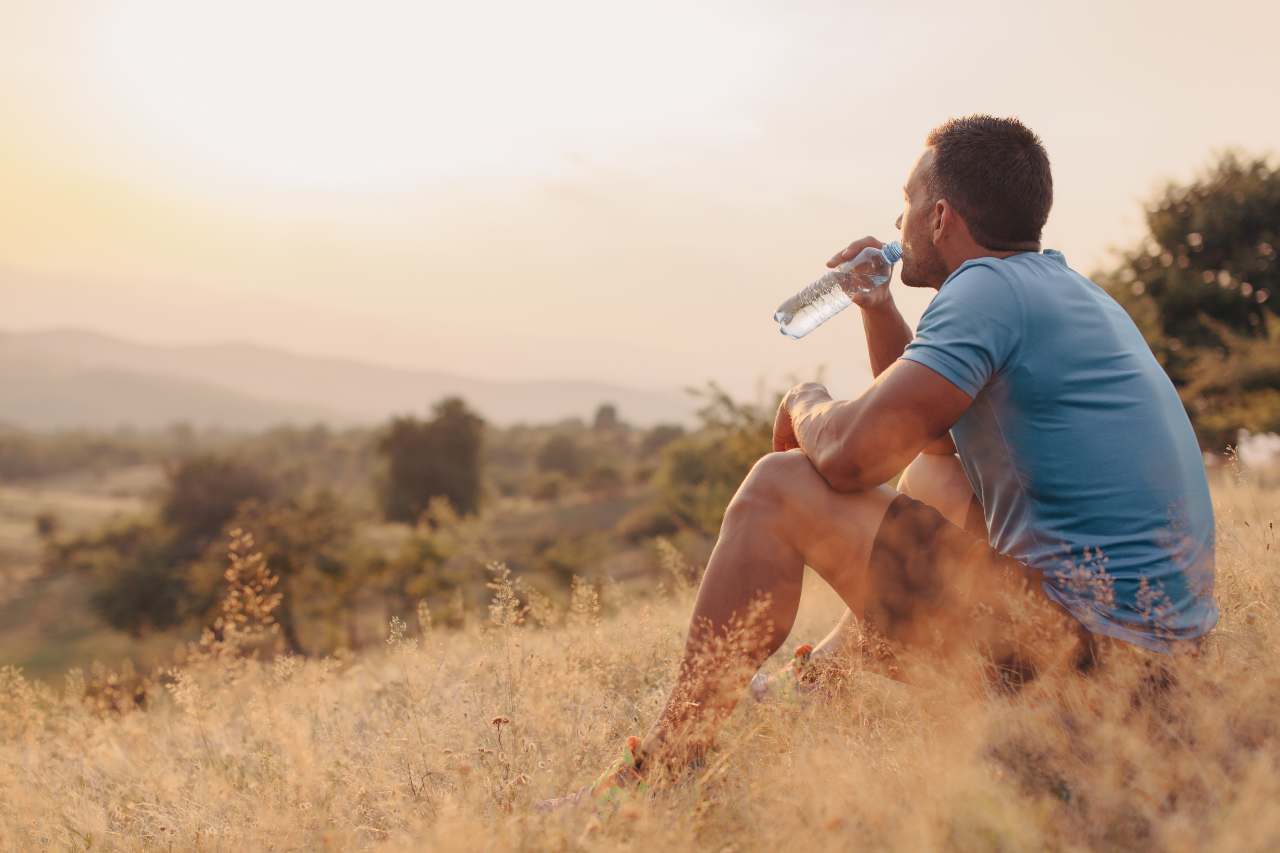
x,y
922,264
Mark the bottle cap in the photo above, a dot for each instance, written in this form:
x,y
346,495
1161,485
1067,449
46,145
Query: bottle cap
x,y
892,251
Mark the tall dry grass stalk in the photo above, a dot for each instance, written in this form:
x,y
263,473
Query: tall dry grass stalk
x,y
445,740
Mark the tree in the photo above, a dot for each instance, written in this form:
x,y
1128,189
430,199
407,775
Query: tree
x,y
561,454
659,437
606,418
700,472
142,571
1236,387
203,494
1203,289
603,479
426,459
137,585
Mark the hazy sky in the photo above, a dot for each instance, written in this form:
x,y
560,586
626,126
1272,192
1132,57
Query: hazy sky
x,y
560,189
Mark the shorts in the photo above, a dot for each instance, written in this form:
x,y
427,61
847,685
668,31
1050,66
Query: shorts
x,y
932,580
918,546
936,584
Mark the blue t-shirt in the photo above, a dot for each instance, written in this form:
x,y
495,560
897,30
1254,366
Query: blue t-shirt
x,y
1076,444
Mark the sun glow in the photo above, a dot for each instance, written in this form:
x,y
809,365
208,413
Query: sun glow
x,y
360,95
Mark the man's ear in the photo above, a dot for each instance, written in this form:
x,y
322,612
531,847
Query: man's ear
x,y
942,216
948,223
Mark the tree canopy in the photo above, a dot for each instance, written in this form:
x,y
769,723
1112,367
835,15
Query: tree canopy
x,y
426,459
1203,286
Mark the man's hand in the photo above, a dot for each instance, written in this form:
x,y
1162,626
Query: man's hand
x,y
868,300
784,433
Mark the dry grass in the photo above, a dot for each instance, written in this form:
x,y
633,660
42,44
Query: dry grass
x,y
400,749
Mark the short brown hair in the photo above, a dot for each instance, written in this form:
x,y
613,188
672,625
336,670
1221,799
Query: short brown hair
x,y
995,172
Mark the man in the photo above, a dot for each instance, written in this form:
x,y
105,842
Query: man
x,y
1053,498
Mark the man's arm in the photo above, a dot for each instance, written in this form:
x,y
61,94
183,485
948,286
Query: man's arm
x,y
886,331
887,337
858,444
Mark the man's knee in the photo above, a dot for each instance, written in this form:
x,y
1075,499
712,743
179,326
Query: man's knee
x,y
940,481
775,478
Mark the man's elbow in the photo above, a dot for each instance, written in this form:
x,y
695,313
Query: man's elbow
x,y
843,474
855,467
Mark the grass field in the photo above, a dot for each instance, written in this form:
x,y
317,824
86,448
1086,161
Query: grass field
x,y
398,749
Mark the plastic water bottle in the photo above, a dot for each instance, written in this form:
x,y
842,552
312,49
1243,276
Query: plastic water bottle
x,y
829,295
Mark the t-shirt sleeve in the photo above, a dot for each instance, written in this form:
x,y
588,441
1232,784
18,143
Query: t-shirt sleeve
x,y
971,329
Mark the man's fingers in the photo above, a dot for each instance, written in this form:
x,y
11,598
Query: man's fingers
x,y
851,251
839,258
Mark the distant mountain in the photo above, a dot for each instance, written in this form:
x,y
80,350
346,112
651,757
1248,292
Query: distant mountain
x,y
72,377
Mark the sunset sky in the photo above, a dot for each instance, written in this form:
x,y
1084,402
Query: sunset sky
x,y
591,190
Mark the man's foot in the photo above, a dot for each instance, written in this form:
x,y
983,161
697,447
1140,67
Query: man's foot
x,y
620,780
790,682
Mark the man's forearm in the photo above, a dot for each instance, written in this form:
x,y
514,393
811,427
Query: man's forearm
x,y
826,431
819,423
887,335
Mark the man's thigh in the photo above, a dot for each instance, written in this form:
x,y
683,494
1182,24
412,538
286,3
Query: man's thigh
x,y
940,591
939,481
832,531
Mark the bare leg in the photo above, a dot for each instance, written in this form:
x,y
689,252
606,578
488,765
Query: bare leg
x,y
783,517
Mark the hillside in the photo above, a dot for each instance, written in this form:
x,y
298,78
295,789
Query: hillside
x,y
47,396
80,378
445,740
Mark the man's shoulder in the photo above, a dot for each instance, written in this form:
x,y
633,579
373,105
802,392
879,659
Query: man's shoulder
x,y
984,284
1012,277
976,271
1028,278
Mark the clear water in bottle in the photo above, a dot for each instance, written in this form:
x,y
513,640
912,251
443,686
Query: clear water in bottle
x,y
829,295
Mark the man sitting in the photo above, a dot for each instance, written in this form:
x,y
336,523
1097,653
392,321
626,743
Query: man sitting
x,y
1054,497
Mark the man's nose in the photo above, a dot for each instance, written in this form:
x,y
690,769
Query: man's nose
x,y
897,223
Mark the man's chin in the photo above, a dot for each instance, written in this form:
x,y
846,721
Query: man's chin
x,y
913,276
910,280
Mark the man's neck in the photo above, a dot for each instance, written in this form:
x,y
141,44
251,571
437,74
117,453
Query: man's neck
x,y
973,251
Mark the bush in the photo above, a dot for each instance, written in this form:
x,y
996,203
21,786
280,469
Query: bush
x,y
659,437
47,525
548,487
700,472
139,584
603,479
561,454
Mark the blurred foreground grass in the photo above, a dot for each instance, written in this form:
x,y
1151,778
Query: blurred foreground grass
x,y
398,749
